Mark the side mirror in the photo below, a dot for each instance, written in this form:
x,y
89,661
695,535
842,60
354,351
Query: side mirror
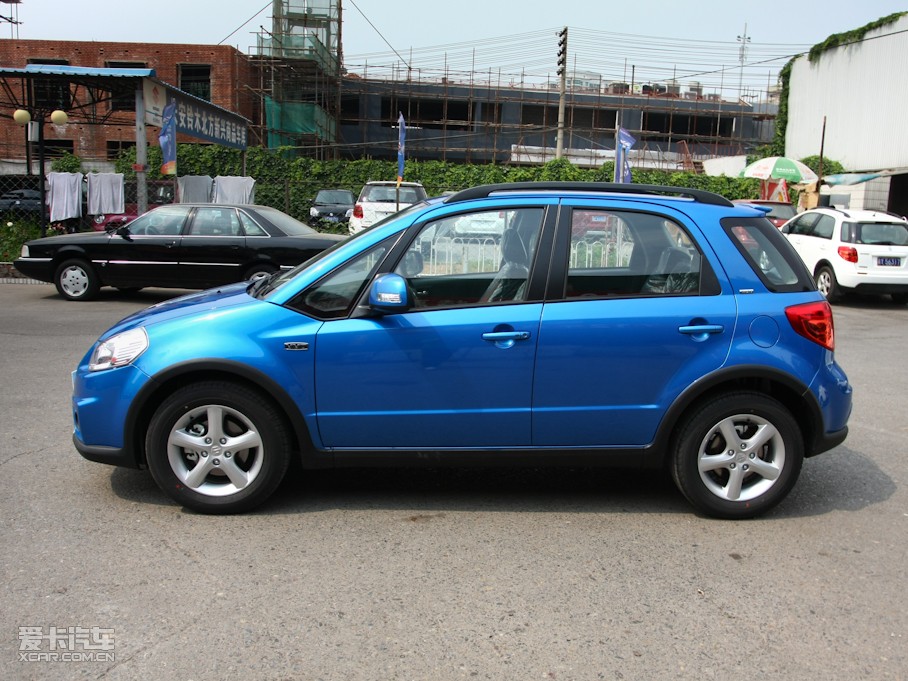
x,y
389,294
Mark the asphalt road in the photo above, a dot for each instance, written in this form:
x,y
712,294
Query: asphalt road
x,y
443,574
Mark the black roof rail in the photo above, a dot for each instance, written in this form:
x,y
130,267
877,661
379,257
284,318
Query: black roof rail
x,y
485,190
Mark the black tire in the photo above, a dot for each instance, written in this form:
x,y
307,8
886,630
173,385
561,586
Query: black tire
x,y
76,280
828,284
746,477
181,437
258,271
899,298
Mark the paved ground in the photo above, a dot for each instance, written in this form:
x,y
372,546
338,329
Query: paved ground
x,y
445,574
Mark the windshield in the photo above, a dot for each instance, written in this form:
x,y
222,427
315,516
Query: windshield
x,y
290,226
334,196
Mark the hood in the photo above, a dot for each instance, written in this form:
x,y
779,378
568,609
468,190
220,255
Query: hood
x,y
194,303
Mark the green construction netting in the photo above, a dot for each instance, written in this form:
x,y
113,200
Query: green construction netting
x,y
288,121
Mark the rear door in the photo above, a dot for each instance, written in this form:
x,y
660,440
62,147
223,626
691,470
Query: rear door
x,y
636,312
213,251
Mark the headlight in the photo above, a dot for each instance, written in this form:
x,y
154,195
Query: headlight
x,y
119,350
24,252
313,213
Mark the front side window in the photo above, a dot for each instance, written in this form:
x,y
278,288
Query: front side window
x,y
166,221
804,224
472,259
333,296
616,253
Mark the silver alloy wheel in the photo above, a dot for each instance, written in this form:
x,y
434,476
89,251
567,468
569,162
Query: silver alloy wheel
x,y
74,280
824,282
741,457
215,450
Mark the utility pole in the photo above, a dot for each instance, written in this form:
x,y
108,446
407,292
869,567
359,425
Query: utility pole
x,y
562,72
743,39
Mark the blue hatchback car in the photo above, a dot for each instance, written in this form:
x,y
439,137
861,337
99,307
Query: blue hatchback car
x,y
531,323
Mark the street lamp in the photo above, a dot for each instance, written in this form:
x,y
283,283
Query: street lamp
x,y
24,117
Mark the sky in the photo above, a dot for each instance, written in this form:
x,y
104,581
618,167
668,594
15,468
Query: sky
x,y
690,39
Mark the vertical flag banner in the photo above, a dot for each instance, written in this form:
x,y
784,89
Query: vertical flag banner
x,y
401,139
624,141
168,138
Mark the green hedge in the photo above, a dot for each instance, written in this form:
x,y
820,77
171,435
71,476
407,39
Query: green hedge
x,y
290,184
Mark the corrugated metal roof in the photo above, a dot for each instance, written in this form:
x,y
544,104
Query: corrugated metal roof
x,y
63,70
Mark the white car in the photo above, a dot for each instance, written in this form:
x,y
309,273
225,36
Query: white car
x,y
378,200
853,251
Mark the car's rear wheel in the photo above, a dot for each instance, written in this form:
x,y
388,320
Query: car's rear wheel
x,y
738,456
76,280
827,284
259,271
218,447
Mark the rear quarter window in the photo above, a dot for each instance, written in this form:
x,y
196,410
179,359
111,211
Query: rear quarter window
x,y
769,254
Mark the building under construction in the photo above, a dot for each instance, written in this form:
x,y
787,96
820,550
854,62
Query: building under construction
x,y
297,93
315,104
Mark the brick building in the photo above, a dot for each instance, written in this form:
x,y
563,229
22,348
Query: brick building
x,y
216,73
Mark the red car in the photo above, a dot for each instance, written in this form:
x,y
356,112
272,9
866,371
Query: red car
x,y
780,212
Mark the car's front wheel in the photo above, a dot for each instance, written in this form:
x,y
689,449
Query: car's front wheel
x,y
76,280
827,284
259,271
738,456
218,447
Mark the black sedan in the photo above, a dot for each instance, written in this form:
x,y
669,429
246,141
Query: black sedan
x,y
174,246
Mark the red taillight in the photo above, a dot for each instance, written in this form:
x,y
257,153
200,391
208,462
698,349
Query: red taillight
x,y
848,253
814,322
358,211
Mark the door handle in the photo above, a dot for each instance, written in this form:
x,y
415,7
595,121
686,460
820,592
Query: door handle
x,y
506,335
700,332
505,339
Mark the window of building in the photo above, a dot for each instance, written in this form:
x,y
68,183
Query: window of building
x,y
54,148
51,93
115,147
124,101
196,80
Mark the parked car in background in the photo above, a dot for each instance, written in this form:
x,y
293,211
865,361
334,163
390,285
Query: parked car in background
x,y
378,200
682,333
853,251
175,246
158,195
22,202
332,205
779,211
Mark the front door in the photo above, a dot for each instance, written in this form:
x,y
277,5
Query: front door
x,y
456,370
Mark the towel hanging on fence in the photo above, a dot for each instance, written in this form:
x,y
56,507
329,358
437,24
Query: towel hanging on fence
x,y
64,195
194,188
233,190
105,194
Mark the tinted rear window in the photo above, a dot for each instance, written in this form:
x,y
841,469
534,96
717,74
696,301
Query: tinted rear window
x,y
288,225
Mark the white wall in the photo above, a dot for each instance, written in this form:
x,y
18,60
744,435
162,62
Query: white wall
x,y
862,90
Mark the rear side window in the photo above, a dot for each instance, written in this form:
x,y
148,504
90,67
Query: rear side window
x,y
769,254
622,253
